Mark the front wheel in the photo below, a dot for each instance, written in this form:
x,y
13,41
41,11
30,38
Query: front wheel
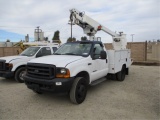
x,y
78,91
19,74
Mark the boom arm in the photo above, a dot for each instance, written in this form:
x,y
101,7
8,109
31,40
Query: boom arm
x,y
90,27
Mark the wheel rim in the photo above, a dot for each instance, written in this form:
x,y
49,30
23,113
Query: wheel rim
x,y
21,75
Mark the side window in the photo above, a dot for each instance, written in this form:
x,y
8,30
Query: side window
x,y
54,49
44,51
97,50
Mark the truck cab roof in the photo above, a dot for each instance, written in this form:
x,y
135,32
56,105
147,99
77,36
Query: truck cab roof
x,y
45,46
86,41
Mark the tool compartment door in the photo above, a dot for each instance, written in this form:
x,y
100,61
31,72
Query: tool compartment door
x,y
117,58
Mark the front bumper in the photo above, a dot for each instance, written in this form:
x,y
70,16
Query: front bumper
x,y
6,74
56,85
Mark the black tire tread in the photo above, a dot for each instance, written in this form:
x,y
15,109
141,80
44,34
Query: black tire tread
x,y
73,90
16,76
119,74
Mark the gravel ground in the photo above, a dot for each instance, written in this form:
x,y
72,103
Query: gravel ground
x,y
138,97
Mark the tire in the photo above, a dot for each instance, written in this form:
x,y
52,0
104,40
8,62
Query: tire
x,y
78,91
127,71
121,75
19,74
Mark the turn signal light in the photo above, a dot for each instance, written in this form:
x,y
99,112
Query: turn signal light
x,y
9,65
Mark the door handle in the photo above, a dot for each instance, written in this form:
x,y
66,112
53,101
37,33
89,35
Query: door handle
x,y
106,60
89,63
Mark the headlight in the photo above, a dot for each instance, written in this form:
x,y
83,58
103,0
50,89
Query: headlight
x,y
9,65
62,73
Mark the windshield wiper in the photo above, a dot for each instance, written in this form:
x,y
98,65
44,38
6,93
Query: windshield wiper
x,y
69,54
56,54
66,54
72,54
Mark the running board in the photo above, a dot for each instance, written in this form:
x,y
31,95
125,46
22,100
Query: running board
x,y
98,81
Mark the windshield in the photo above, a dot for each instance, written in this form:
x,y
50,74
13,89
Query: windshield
x,y
81,49
30,51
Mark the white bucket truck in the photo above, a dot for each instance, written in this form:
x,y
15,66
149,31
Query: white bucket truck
x,y
75,65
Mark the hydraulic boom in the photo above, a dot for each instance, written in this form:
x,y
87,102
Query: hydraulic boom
x,y
90,28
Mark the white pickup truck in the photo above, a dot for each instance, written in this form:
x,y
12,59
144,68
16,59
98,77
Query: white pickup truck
x,y
15,66
74,66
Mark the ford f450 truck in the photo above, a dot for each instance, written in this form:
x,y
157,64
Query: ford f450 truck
x,y
75,65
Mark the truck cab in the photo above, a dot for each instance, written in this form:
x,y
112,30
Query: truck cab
x,y
15,66
73,67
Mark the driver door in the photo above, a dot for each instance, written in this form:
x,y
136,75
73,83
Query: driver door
x,y
99,66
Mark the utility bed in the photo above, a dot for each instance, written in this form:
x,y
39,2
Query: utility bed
x,y
117,58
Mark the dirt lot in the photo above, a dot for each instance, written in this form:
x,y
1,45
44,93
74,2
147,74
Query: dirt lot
x,y
138,97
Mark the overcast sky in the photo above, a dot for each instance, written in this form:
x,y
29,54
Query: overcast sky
x,y
21,17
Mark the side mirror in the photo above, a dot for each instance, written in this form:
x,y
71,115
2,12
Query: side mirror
x,y
103,55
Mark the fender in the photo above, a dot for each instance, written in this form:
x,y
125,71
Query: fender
x,y
74,72
14,59
82,65
15,66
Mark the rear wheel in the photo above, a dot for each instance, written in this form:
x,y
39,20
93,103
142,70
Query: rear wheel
x,y
19,74
127,71
121,75
79,90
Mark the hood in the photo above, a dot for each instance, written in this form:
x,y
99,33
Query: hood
x,y
57,60
11,58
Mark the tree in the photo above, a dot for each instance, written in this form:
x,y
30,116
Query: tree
x,y
7,40
56,35
83,38
46,38
71,39
55,38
